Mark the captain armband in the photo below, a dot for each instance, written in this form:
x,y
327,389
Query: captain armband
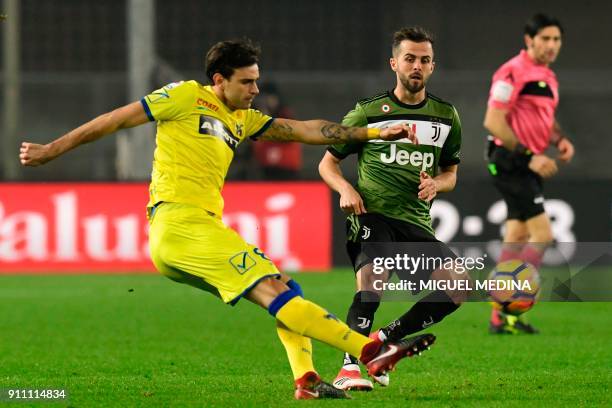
x,y
373,133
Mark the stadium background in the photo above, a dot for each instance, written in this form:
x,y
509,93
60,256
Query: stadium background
x,y
79,59
137,340
324,55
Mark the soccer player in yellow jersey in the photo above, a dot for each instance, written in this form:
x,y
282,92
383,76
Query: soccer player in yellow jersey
x,y
198,129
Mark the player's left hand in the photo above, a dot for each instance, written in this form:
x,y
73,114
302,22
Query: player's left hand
x,y
428,187
399,132
32,154
566,150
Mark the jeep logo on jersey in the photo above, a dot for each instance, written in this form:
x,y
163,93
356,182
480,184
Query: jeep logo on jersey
x,y
214,127
403,157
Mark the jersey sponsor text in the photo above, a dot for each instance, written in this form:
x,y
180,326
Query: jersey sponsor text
x,y
404,157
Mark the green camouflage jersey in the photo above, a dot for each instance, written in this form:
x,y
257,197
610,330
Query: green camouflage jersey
x,y
388,172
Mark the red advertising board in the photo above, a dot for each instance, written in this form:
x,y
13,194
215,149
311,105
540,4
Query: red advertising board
x,y
102,227
290,221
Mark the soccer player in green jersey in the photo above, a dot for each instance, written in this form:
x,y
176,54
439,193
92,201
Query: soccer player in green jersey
x,y
397,183
198,129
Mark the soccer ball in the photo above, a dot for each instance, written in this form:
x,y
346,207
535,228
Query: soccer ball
x,y
516,288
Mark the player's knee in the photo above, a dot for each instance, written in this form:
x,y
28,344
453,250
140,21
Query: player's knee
x,y
516,236
443,303
542,237
458,293
368,281
458,297
458,282
516,232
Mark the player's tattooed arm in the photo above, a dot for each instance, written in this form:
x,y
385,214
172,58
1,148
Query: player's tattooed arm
x,y
280,131
324,132
335,132
283,130
33,154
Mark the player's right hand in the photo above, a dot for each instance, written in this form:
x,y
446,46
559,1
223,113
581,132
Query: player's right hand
x,y
351,202
32,154
543,165
399,132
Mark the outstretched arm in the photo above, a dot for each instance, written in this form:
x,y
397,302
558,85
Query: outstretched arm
x,y
324,132
32,154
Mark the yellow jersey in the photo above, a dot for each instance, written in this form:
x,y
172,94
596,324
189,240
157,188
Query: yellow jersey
x,y
196,138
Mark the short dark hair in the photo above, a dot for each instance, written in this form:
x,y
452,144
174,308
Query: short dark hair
x,y
539,21
414,34
226,56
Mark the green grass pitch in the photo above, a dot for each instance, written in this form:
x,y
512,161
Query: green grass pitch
x,y
143,340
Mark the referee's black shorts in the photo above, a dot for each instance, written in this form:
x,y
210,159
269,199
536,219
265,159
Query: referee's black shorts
x,y
520,187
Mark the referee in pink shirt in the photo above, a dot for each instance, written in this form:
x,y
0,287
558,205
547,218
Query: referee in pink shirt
x,y
521,120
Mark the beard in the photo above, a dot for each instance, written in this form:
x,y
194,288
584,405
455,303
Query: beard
x,y
413,86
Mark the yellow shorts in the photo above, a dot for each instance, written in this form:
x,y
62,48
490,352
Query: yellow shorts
x,y
189,245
